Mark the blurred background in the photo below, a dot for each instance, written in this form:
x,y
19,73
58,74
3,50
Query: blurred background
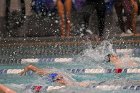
x,y
18,18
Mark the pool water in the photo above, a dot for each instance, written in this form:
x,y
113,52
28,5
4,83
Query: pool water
x,y
88,59
14,81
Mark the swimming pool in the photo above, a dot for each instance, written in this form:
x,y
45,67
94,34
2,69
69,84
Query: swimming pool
x,y
113,81
84,66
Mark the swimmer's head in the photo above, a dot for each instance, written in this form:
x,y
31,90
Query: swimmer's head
x,y
107,57
110,57
60,79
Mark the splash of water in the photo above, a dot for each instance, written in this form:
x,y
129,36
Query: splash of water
x,y
97,54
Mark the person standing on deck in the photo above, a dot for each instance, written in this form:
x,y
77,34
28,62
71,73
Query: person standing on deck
x,y
138,2
64,11
100,7
134,15
130,8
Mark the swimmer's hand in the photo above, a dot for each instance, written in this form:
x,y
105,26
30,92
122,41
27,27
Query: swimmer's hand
x,y
22,73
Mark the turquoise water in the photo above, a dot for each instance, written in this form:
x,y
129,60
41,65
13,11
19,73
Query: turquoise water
x,y
89,58
15,81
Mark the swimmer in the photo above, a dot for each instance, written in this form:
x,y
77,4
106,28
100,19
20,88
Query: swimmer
x,y
58,78
4,89
120,63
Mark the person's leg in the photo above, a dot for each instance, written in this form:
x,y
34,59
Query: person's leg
x,y
118,8
7,12
138,2
61,12
68,6
4,89
86,17
22,6
134,15
128,12
101,9
87,11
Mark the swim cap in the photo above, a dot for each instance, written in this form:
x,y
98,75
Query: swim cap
x,y
107,58
37,88
52,77
118,70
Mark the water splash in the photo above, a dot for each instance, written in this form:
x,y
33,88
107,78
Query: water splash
x,y
97,54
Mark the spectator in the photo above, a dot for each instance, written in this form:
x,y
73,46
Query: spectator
x,y
42,7
134,15
64,11
130,11
15,11
100,7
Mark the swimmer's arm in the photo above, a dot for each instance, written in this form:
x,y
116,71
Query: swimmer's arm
x,y
34,69
84,83
4,89
133,63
